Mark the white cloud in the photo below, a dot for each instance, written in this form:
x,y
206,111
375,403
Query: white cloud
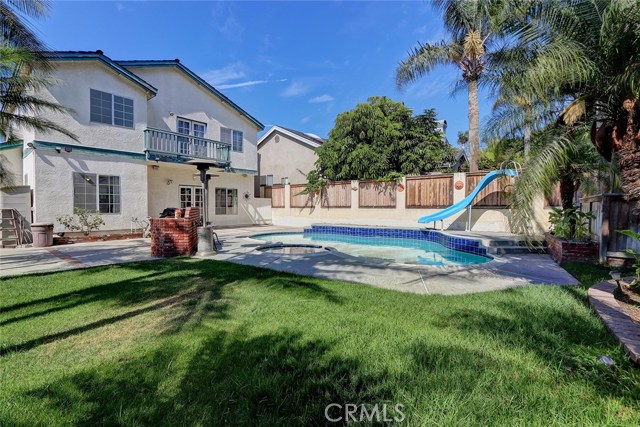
x,y
321,98
295,89
248,83
225,74
305,119
225,22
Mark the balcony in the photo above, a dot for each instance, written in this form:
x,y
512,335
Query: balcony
x,y
176,147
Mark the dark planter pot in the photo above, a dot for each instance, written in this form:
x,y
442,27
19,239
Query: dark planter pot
x,y
568,251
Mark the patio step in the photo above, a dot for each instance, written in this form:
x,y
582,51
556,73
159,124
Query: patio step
x,y
512,249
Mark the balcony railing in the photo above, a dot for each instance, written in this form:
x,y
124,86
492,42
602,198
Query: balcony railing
x,y
161,142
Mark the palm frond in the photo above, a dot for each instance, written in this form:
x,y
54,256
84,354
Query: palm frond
x,y
424,58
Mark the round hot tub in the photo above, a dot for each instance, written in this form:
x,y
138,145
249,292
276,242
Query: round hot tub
x,y
291,249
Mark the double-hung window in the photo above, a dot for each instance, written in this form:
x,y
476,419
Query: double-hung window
x,y
192,146
110,109
94,192
226,201
233,137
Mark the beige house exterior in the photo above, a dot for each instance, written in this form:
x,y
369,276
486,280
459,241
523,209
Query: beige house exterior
x,y
138,125
286,156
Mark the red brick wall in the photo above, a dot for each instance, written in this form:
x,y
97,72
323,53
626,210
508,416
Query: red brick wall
x,y
563,251
175,236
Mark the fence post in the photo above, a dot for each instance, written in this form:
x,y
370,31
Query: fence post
x,y
355,196
287,198
458,195
605,229
401,197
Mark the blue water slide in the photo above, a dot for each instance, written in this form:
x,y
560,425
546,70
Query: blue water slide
x,y
467,201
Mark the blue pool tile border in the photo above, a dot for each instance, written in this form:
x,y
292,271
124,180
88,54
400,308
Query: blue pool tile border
x,y
456,243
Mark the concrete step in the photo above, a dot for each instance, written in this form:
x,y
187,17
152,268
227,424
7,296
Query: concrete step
x,y
510,250
511,242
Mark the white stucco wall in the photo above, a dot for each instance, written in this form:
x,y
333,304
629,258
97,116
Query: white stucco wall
x,y
180,95
165,181
74,81
286,158
53,189
12,162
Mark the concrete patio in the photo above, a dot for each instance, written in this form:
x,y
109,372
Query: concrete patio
x,y
501,273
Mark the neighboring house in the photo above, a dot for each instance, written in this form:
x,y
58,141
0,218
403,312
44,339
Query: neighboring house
x,y
137,123
286,155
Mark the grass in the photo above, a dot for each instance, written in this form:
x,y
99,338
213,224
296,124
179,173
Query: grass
x,y
196,342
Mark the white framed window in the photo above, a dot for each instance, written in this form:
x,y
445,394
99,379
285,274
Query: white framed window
x,y
266,180
189,145
96,193
226,201
110,109
191,195
233,137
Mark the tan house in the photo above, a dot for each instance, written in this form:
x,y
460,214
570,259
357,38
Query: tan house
x,y
286,156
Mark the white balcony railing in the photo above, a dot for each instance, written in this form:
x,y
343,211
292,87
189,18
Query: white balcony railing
x,y
159,141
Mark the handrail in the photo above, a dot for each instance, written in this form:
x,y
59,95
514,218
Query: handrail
x,y
167,142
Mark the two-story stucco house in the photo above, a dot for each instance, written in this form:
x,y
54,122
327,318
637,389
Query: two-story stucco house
x,y
138,123
286,155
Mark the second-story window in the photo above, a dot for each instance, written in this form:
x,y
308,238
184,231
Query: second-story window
x,y
111,109
187,145
233,137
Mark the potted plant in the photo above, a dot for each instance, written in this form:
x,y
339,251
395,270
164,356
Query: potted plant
x,y
569,238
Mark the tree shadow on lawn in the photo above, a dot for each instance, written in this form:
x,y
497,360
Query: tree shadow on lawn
x,y
558,336
194,288
274,379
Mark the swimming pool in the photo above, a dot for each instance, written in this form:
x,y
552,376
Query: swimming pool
x,y
389,247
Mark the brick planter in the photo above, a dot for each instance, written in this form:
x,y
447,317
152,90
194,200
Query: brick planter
x,y
566,251
175,236
80,238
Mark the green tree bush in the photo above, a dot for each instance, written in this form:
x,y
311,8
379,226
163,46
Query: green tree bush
x,y
382,137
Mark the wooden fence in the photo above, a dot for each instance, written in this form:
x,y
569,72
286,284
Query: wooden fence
x,y
429,191
277,196
337,195
298,200
612,213
495,195
376,194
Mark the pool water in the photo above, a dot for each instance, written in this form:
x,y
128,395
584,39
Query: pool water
x,y
406,251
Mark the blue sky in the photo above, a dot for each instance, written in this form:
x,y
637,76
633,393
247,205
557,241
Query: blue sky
x,y
295,64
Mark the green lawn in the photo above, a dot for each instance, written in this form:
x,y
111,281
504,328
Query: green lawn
x,y
193,342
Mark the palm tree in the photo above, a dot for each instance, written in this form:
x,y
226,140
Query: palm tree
x,y
589,59
474,26
20,106
23,72
14,30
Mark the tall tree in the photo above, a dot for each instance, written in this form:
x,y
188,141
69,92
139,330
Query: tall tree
x,y
23,72
475,27
588,61
379,138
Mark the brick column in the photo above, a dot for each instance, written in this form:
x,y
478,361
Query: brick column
x,y
175,236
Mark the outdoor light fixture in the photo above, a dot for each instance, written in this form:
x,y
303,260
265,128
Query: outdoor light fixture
x,y
169,181
30,145
58,149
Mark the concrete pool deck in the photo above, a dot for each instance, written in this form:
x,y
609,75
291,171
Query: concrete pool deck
x,y
503,272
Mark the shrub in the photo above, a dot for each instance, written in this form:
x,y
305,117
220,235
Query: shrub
x,y
636,265
570,224
85,222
